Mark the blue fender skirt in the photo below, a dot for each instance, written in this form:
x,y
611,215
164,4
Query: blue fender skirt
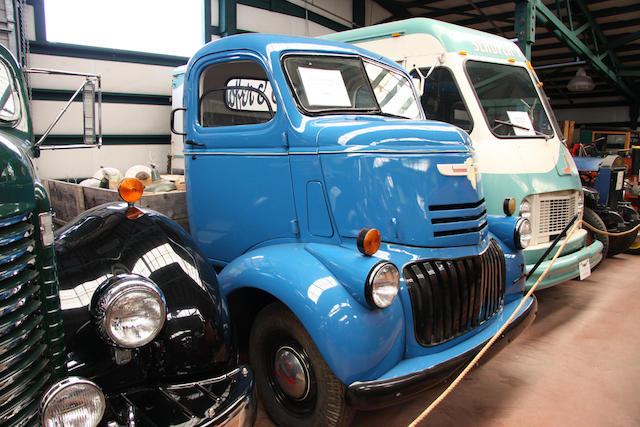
x,y
376,394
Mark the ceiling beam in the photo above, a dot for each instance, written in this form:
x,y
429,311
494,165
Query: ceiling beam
x,y
546,17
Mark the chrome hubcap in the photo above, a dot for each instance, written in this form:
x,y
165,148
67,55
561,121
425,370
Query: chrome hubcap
x,y
291,373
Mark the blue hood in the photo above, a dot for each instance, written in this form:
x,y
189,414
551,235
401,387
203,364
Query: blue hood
x,y
384,174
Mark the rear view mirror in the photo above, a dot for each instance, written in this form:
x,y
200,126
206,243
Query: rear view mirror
x,y
89,112
91,90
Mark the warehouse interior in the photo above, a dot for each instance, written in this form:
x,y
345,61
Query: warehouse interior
x,y
577,364
597,37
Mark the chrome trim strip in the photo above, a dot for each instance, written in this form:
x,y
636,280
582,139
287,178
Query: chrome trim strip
x,y
298,153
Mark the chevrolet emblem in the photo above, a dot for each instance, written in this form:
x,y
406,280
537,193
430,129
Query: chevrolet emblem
x,y
468,169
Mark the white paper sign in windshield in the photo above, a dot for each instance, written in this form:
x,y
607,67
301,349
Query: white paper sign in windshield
x,y
249,100
522,122
324,88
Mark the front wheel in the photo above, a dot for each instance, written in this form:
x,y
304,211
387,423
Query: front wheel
x,y
295,385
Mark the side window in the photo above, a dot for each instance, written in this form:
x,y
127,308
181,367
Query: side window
x,y
441,99
9,100
235,93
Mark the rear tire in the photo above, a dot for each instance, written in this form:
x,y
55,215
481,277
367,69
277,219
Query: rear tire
x,y
295,384
619,244
593,219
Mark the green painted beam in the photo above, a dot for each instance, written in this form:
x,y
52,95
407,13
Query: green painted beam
x,y
598,32
525,25
546,17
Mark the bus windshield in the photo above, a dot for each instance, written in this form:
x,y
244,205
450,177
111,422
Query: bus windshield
x,y
509,100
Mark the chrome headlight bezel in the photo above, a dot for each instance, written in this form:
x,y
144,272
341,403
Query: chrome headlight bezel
x,y
522,233
114,296
381,291
580,203
49,416
525,209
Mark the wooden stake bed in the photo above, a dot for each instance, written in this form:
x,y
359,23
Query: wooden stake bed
x,y
69,200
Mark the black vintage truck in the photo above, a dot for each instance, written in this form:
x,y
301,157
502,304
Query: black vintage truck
x,y
114,320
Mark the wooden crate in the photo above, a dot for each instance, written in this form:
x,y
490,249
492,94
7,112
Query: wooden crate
x,y
69,200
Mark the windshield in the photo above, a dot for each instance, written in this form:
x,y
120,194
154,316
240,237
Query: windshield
x,y
9,102
509,100
326,84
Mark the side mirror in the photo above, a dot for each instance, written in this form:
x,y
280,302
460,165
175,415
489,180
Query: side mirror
x,y
91,90
89,112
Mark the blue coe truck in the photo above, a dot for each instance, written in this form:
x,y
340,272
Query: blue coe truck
x,y
350,234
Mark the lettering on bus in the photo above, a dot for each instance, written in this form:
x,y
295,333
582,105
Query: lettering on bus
x,y
495,48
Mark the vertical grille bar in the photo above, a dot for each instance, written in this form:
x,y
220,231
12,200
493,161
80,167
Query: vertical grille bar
x,y
24,367
436,301
449,297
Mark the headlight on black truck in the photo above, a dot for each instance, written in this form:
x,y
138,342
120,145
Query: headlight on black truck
x,y
129,311
72,402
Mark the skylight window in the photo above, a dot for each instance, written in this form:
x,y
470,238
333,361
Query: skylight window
x,y
153,26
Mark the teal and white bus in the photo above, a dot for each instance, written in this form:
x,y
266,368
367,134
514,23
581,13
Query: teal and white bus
x,y
483,84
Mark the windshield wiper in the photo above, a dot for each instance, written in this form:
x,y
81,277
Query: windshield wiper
x,y
506,123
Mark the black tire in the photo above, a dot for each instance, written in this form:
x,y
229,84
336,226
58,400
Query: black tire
x,y
634,249
593,219
323,402
619,244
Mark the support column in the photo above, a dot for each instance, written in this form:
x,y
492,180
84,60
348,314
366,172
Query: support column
x,y
359,13
525,25
227,17
634,112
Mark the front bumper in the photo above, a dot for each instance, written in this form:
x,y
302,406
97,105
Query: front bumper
x,y
566,266
228,400
390,391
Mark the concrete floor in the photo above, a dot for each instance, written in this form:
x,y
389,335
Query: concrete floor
x,y
578,364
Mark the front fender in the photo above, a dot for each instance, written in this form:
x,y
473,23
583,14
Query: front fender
x,y
358,343
107,241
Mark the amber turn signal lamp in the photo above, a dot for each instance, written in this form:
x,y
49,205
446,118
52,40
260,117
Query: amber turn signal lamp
x,y
369,241
509,206
130,190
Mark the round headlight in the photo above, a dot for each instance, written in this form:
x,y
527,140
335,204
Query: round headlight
x,y
130,311
522,235
525,209
382,285
580,201
72,402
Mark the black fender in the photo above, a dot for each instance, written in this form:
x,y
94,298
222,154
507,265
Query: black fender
x,y
115,239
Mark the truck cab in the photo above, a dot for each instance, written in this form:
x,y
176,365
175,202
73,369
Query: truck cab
x,y
483,84
350,235
115,318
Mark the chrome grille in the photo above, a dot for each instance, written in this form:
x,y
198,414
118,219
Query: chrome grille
x,y
23,361
452,296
